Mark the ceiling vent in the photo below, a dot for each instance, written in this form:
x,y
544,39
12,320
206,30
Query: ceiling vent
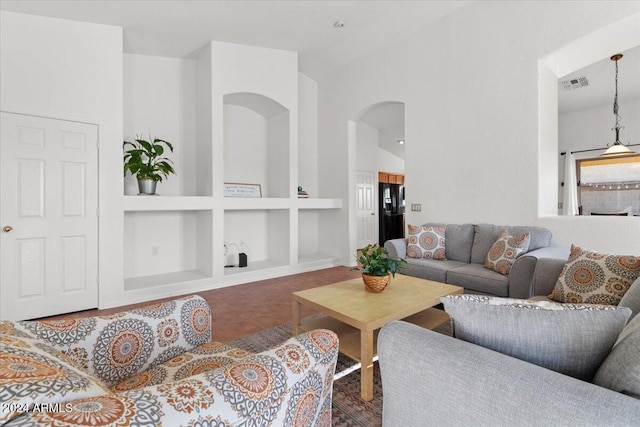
x,y
574,84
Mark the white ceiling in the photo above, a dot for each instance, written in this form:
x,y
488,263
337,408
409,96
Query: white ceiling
x,y
601,88
177,28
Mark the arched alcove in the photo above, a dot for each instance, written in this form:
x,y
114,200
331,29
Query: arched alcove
x,y
256,151
256,142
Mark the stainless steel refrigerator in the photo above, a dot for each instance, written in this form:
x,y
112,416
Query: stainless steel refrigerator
x,y
391,212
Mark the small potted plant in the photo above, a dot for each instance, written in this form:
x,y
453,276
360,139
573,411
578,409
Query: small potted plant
x,y
144,159
377,267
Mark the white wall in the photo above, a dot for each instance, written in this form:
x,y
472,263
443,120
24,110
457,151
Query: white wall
x,y
246,147
470,84
308,161
250,228
73,70
308,134
389,162
367,148
159,243
278,157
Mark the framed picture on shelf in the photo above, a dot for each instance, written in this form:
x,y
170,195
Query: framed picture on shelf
x,y
235,189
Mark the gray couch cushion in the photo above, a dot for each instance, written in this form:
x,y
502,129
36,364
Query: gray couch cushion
x,y
567,338
458,240
487,234
430,269
621,369
474,277
540,237
430,379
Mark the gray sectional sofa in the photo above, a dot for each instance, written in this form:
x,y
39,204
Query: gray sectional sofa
x,y
433,379
466,248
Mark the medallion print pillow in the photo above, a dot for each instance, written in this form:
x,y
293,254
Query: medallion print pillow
x,y
427,242
594,278
505,250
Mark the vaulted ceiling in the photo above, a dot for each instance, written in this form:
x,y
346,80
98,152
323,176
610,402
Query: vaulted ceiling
x,y
177,28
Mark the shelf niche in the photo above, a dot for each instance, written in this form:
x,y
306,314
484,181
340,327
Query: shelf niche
x,y
256,143
264,232
166,247
168,114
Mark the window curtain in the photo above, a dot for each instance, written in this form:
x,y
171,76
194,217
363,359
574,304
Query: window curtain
x,y
570,197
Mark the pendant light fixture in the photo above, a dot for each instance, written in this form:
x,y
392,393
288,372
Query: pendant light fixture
x,y
617,148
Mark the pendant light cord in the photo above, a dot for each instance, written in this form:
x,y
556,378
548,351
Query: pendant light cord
x,y
615,108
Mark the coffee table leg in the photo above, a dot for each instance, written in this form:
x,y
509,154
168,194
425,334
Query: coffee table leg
x,y
366,370
296,324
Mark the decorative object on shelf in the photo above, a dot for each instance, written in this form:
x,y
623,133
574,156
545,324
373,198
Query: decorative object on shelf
x,y
237,258
617,148
231,258
377,267
234,189
302,194
243,257
145,161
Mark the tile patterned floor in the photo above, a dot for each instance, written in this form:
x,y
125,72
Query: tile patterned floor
x,y
251,307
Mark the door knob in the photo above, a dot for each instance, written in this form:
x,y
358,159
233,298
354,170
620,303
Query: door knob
x,y
7,229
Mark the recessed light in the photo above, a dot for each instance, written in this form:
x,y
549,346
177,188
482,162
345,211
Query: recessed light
x,y
339,24
401,141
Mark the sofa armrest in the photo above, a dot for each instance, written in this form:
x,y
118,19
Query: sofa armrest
x,y
115,347
546,275
290,384
521,276
397,248
431,376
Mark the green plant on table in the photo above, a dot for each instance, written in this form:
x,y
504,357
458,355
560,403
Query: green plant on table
x,y
375,261
145,159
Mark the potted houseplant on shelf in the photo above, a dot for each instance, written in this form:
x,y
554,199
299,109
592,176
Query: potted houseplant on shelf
x,y
145,160
377,267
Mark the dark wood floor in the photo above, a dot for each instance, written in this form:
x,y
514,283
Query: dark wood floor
x,y
251,307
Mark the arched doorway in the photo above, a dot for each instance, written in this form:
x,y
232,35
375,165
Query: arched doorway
x,y
377,133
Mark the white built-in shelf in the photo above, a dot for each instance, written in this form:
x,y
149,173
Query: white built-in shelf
x,y
182,237
311,203
254,266
167,203
241,203
143,282
316,259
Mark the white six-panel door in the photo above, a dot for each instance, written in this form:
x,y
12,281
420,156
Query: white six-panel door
x,y
48,215
366,208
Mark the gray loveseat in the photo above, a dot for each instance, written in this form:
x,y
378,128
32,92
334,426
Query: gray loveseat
x,y
466,248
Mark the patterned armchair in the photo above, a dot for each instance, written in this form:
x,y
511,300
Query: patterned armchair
x,y
157,366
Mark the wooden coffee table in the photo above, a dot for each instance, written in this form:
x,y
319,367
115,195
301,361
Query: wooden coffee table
x,y
357,315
